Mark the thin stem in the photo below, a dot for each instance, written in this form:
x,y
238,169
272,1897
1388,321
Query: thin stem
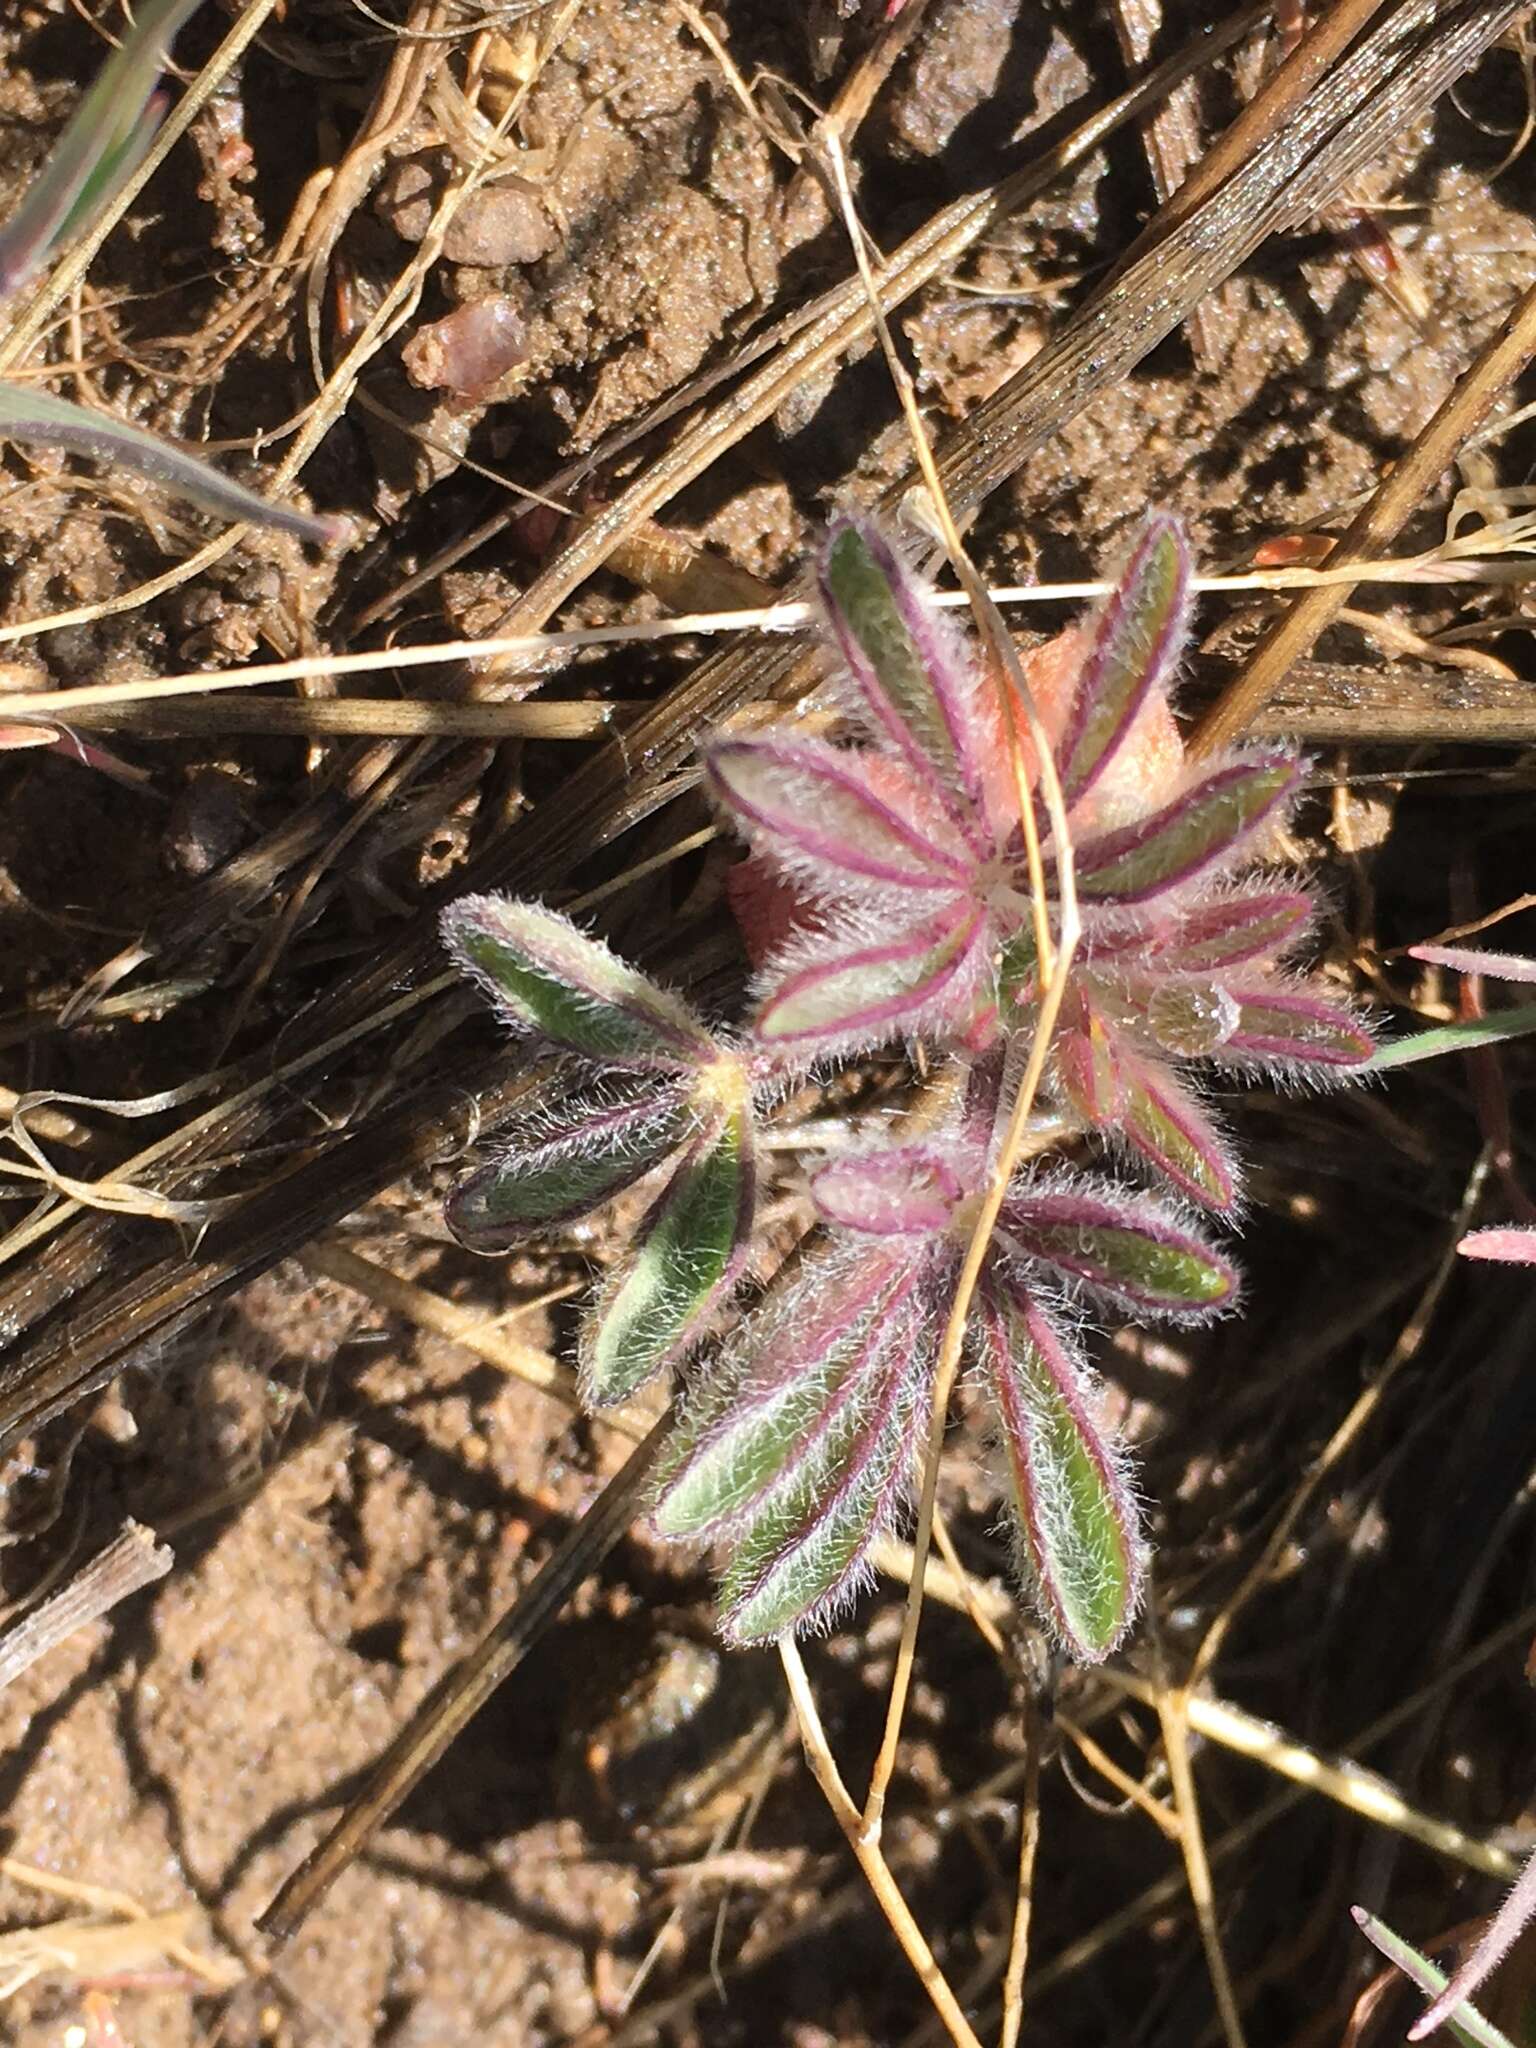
x,y
1029,1842
1173,1716
823,1765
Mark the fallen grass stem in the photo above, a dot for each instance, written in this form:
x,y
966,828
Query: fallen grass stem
x,y
131,1561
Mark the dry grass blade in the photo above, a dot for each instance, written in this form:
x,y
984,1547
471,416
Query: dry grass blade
x,y
842,319
165,1293
1356,108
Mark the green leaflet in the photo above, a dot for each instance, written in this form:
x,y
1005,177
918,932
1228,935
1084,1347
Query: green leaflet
x,y
686,1254
861,590
1187,1149
548,976
29,414
585,1155
1076,1538
1166,1272
874,990
1204,826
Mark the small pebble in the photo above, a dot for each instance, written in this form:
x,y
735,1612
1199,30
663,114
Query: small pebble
x,y
468,352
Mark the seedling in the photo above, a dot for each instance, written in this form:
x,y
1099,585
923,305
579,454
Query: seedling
x,y
905,862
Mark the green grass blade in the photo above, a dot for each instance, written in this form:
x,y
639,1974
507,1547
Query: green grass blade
x,y
1466,2023
1444,1038
104,139
40,419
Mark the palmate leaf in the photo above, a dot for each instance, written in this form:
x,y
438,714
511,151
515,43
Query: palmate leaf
x,y
103,141
1137,640
810,1544
1123,1246
549,978
39,419
798,1457
911,673
1206,827
1078,1543
575,1157
687,1254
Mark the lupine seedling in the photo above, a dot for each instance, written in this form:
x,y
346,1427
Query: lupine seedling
x,y
901,854
102,145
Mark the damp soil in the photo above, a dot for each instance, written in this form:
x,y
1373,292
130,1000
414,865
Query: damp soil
x,y
352,1498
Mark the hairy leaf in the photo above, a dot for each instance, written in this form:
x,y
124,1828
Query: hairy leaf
x,y
1078,1544
869,993
1476,960
823,808
1088,1064
1257,925
34,416
1137,640
911,674
910,1190
1204,828
814,1350
1281,1027
103,142
570,1161
1122,1246
1208,938
1170,1130
687,1253
548,977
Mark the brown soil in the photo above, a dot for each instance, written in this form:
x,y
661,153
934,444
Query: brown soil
x,y
350,1499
